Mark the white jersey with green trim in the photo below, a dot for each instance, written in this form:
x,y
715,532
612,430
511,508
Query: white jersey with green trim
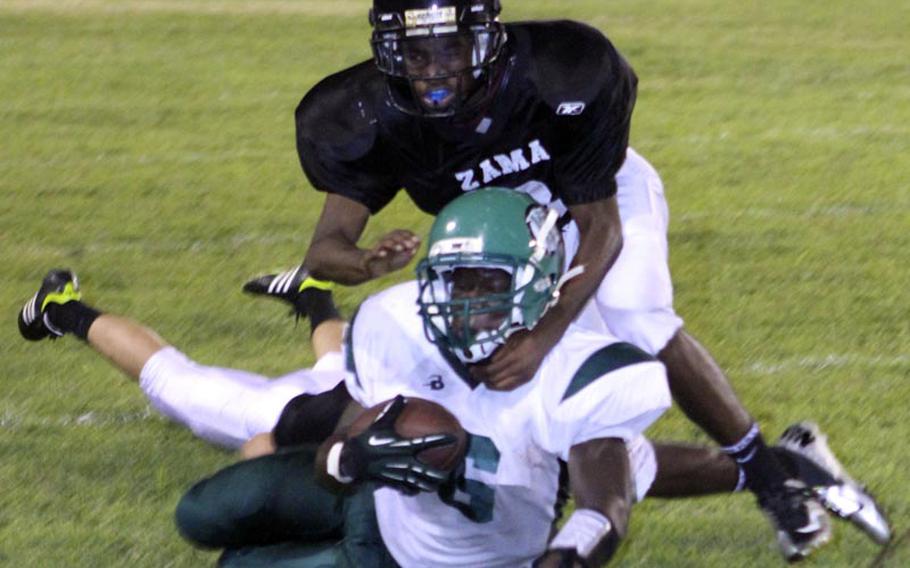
x,y
501,513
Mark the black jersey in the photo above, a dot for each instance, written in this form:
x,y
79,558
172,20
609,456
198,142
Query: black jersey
x,y
561,118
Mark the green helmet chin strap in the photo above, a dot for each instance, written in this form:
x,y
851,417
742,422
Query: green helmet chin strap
x,y
490,229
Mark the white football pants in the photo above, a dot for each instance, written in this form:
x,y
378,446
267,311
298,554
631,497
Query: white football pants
x,y
635,300
228,406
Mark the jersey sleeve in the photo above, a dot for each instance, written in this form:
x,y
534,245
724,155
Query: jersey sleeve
x,y
616,393
338,141
377,367
592,97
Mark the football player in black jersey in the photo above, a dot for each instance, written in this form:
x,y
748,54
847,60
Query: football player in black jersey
x,y
453,101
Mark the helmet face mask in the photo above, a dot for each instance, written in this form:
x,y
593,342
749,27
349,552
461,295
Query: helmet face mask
x,y
469,325
438,60
490,272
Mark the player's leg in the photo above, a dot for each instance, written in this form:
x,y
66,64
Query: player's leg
x,y
362,546
703,391
126,344
259,502
689,470
636,302
685,470
327,337
270,511
228,406
57,310
302,419
223,406
283,555
312,299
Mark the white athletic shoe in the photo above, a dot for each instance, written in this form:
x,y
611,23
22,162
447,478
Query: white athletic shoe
x,y
830,482
800,522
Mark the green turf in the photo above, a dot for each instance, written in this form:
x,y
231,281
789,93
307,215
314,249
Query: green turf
x,y
149,144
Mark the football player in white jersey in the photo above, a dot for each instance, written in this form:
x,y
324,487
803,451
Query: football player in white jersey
x,y
485,277
495,264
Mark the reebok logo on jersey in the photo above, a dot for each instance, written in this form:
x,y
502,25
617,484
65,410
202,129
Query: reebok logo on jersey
x,y
517,160
570,108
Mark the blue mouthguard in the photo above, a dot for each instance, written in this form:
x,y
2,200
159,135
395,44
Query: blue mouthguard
x,y
438,95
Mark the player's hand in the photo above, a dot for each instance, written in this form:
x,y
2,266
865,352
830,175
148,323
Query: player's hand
x,y
393,252
516,362
380,454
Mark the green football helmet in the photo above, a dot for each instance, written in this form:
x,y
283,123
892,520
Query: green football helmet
x,y
492,228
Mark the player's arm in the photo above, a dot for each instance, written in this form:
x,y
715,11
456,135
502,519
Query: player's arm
x,y
334,255
591,149
342,155
600,481
600,243
587,170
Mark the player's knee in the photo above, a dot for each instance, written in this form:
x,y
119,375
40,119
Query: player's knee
x,y
197,521
213,513
651,330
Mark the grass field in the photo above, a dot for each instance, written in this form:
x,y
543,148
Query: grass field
x,y
149,145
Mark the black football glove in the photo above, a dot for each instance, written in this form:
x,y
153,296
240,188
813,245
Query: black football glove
x,y
380,454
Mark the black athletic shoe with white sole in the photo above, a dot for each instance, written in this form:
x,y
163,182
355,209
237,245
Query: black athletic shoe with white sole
x,y
800,522
830,483
287,286
58,287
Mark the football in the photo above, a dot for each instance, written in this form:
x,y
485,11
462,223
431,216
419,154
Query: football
x,y
422,417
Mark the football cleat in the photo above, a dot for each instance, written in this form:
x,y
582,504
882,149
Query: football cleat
x,y
800,522
58,287
286,286
831,484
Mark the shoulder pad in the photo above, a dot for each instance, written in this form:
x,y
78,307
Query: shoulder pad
x,y
571,62
340,113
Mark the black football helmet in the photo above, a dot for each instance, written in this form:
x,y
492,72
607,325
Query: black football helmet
x,y
439,56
